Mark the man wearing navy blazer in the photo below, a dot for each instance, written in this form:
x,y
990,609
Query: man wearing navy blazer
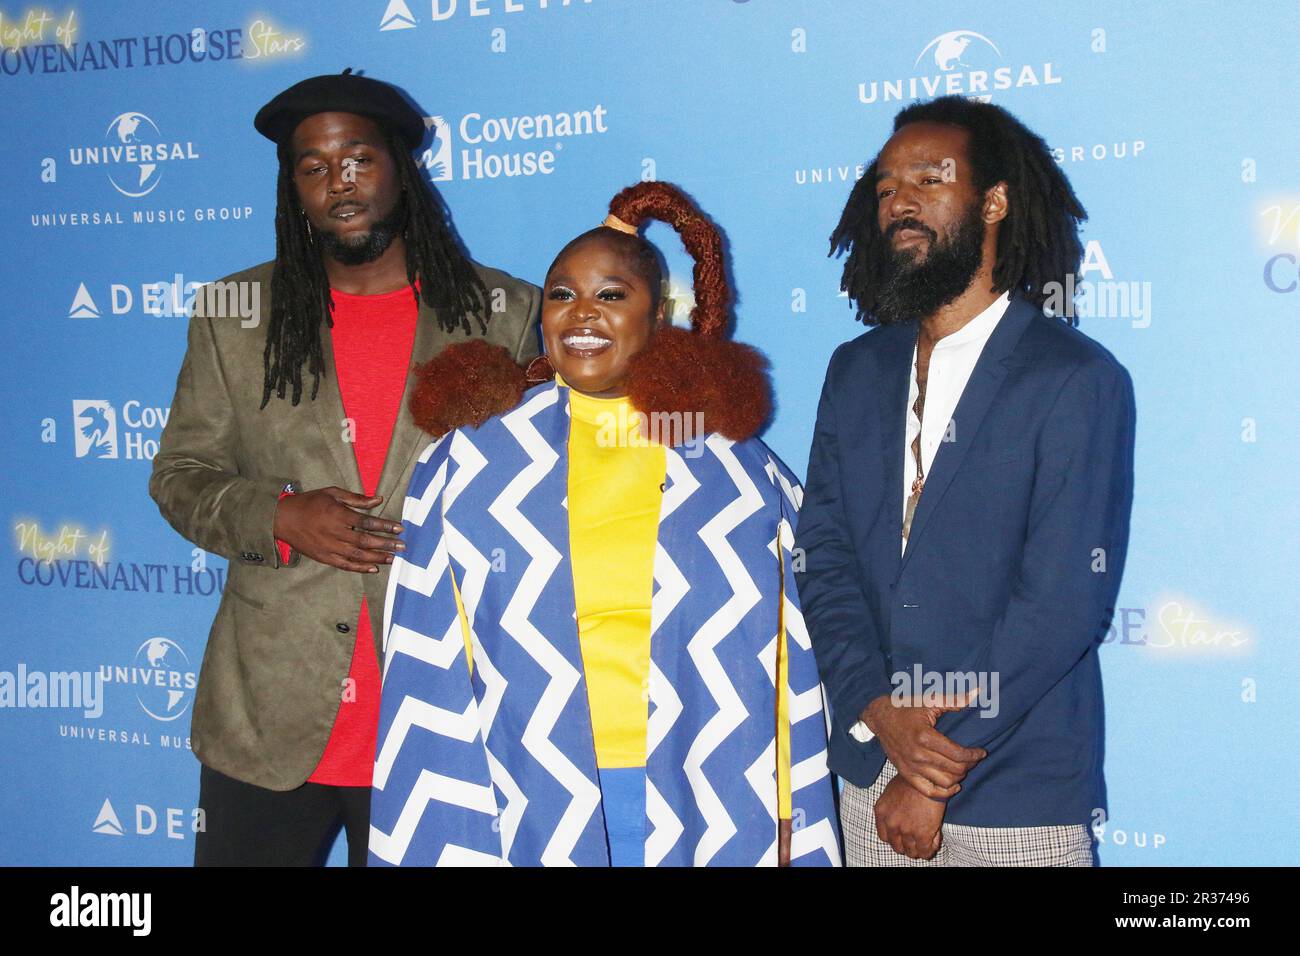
x,y
966,513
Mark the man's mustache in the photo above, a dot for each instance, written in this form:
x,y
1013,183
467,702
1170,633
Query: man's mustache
x,y
896,227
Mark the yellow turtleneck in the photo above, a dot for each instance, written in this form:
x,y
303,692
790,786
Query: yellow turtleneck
x,y
616,480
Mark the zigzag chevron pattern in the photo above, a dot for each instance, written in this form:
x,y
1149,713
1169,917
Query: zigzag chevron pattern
x,y
744,595
498,766
737,771
562,676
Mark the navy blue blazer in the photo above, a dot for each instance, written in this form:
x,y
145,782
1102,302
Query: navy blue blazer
x,y
1012,567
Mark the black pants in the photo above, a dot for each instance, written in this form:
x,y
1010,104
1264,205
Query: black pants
x,y
246,825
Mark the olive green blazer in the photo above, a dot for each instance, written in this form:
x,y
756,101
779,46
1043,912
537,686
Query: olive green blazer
x,y
281,644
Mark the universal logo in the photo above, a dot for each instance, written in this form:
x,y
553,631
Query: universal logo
x,y
133,154
965,63
161,675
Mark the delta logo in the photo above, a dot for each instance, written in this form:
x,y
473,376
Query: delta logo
x,y
162,299
958,63
133,154
397,14
174,821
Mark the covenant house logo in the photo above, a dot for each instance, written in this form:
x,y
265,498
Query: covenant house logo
x,y
95,429
506,146
75,908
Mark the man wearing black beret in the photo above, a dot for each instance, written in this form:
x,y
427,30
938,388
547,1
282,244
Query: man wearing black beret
x,y
288,451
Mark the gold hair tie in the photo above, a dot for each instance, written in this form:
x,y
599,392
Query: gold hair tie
x,y
613,222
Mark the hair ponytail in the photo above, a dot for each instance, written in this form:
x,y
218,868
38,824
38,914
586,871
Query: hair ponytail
x,y
638,204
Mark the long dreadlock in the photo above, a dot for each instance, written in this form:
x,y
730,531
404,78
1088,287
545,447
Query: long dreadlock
x,y
1038,241
300,294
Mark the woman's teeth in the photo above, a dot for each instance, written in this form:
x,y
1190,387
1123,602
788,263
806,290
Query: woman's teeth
x,y
585,341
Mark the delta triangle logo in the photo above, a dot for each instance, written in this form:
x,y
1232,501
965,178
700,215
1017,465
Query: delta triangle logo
x,y
107,821
83,306
397,16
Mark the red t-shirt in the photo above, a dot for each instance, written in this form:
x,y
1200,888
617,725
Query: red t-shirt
x,y
373,336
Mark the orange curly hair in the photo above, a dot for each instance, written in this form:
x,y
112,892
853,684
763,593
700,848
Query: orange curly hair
x,y
665,202
465,384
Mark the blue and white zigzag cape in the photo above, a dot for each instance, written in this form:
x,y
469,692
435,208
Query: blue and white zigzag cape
x,y
499,767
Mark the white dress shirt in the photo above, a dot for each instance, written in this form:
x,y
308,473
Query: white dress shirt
x,y
951,364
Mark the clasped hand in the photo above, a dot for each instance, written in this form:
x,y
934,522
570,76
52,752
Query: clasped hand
x,y
330,525
909,813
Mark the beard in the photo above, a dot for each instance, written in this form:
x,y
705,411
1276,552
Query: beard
x,y
910,290
368,246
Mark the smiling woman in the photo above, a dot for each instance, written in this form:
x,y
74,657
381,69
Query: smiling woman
x,y
587,690
601,305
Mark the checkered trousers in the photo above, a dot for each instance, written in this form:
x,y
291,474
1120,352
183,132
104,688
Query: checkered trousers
x,y
962,845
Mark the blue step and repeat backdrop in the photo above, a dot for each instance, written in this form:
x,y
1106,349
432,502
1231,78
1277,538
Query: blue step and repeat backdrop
x,y
1175,122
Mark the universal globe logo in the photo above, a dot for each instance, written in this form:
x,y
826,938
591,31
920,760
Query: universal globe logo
x,y
949,53
125,130
163,679
133,153
949,48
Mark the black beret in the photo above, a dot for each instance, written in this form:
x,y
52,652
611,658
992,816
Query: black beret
x,y
344,92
